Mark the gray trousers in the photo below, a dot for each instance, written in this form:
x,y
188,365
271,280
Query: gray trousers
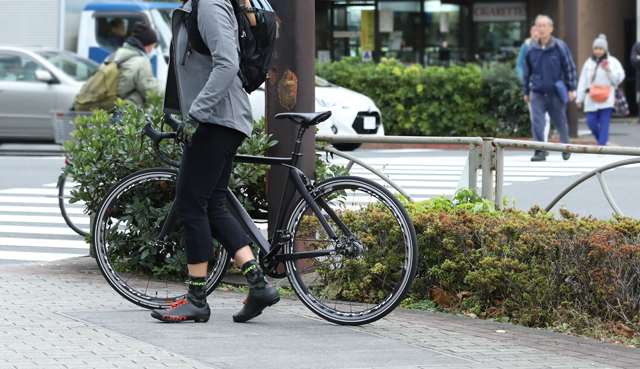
x,y
557,109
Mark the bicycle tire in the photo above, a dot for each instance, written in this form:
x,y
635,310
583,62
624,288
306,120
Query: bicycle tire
x,y
63,204
118,229
326,284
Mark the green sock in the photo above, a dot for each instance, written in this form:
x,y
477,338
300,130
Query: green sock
x,y
197,294
257,281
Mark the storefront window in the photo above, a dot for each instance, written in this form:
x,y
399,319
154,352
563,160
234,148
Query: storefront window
x,y
347,20
498,41
443,34
400,30
499,30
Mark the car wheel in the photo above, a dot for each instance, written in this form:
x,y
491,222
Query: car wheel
x,y
346,146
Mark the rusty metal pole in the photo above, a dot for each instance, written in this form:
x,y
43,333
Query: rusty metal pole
x,y
571,39
290,88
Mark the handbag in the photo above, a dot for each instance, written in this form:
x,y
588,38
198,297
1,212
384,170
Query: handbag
x,y
621,108
598,93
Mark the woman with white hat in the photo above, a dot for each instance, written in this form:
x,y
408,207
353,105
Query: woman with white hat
x,y
601,75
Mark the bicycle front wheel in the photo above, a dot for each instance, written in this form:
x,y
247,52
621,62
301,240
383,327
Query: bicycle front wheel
x,y
146,269
369,269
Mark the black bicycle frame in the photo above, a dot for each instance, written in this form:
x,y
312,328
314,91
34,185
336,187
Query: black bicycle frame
x,y
297,182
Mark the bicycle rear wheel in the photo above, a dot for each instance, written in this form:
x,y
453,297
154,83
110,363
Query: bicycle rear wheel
x,y
129,254
70,208
369,272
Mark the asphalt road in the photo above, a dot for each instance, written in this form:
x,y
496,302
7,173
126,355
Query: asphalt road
x,y
586,199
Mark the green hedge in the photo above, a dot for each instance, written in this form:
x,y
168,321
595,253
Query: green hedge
x,y
437,101
527,266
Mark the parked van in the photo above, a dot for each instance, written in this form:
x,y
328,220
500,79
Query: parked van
x,y
85,27
100,20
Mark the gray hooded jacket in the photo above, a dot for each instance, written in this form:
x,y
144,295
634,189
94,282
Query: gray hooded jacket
x,y
207,86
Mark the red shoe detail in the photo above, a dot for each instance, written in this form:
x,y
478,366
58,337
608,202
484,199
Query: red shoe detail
x,y
172,317
178,304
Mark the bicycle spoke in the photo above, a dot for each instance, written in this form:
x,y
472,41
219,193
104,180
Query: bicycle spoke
x,y
358,282
128,235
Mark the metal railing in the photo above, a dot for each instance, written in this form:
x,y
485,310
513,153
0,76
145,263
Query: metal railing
x,y
487,155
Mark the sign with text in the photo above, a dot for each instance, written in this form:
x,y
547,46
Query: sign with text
x,y
368,30
499,12
386,20
324,56
346,34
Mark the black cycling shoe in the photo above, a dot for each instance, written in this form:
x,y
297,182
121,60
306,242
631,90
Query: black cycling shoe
x,y
566,155
255,303
539,156
183,311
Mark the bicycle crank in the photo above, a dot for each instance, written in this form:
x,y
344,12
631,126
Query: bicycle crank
x,y
271,268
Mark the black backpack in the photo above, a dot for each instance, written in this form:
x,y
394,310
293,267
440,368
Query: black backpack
x,y
256,42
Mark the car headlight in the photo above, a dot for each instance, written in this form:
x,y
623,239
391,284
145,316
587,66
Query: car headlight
x,y
330,103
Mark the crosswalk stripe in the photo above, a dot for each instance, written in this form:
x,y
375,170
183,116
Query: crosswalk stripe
x,y
28,200
40,209
35,256
40,242
42,219
36,230
32,191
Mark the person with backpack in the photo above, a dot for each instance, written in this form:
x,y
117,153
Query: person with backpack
x,y
212,67
549,83
601,75
126,74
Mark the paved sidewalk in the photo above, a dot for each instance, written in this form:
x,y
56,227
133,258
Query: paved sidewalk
x,y
64,315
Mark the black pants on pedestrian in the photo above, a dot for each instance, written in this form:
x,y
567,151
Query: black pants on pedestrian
x,y
201,190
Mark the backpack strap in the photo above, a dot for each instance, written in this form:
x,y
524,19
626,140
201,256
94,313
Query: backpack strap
x,y
125,58
110,58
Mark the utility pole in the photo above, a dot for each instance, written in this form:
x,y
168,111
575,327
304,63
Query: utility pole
x,y
571,39
290,87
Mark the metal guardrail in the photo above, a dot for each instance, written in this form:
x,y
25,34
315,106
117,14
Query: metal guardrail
x,y
490,159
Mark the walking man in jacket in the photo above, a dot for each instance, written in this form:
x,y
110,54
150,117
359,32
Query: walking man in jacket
x,y
136,74
549,81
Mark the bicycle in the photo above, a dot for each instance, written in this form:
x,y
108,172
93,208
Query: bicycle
x,y
313,245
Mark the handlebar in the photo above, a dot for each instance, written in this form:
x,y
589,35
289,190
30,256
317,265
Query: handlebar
x,y
157,136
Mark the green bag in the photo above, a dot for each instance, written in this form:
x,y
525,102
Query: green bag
x,y
100,91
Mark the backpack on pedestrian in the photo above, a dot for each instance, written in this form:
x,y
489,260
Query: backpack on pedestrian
x,y
100,91
256,41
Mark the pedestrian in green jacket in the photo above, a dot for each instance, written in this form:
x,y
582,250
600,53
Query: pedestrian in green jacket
x,y
136,74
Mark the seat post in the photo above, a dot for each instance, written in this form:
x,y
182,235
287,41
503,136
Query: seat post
x,y
296,148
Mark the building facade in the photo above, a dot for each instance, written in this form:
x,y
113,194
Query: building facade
x,y
439,32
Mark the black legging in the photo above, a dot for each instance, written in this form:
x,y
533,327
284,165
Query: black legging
x,y
203,178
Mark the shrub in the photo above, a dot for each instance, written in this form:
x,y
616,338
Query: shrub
x,y
530,267
437,101
505,101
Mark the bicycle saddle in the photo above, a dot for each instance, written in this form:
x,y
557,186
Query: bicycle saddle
x,y
306,119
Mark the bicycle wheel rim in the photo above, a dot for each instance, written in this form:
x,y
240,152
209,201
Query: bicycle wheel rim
x,y
117,232
73,213
347,289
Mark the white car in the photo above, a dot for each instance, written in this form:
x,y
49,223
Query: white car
x,y
353,113
33,82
